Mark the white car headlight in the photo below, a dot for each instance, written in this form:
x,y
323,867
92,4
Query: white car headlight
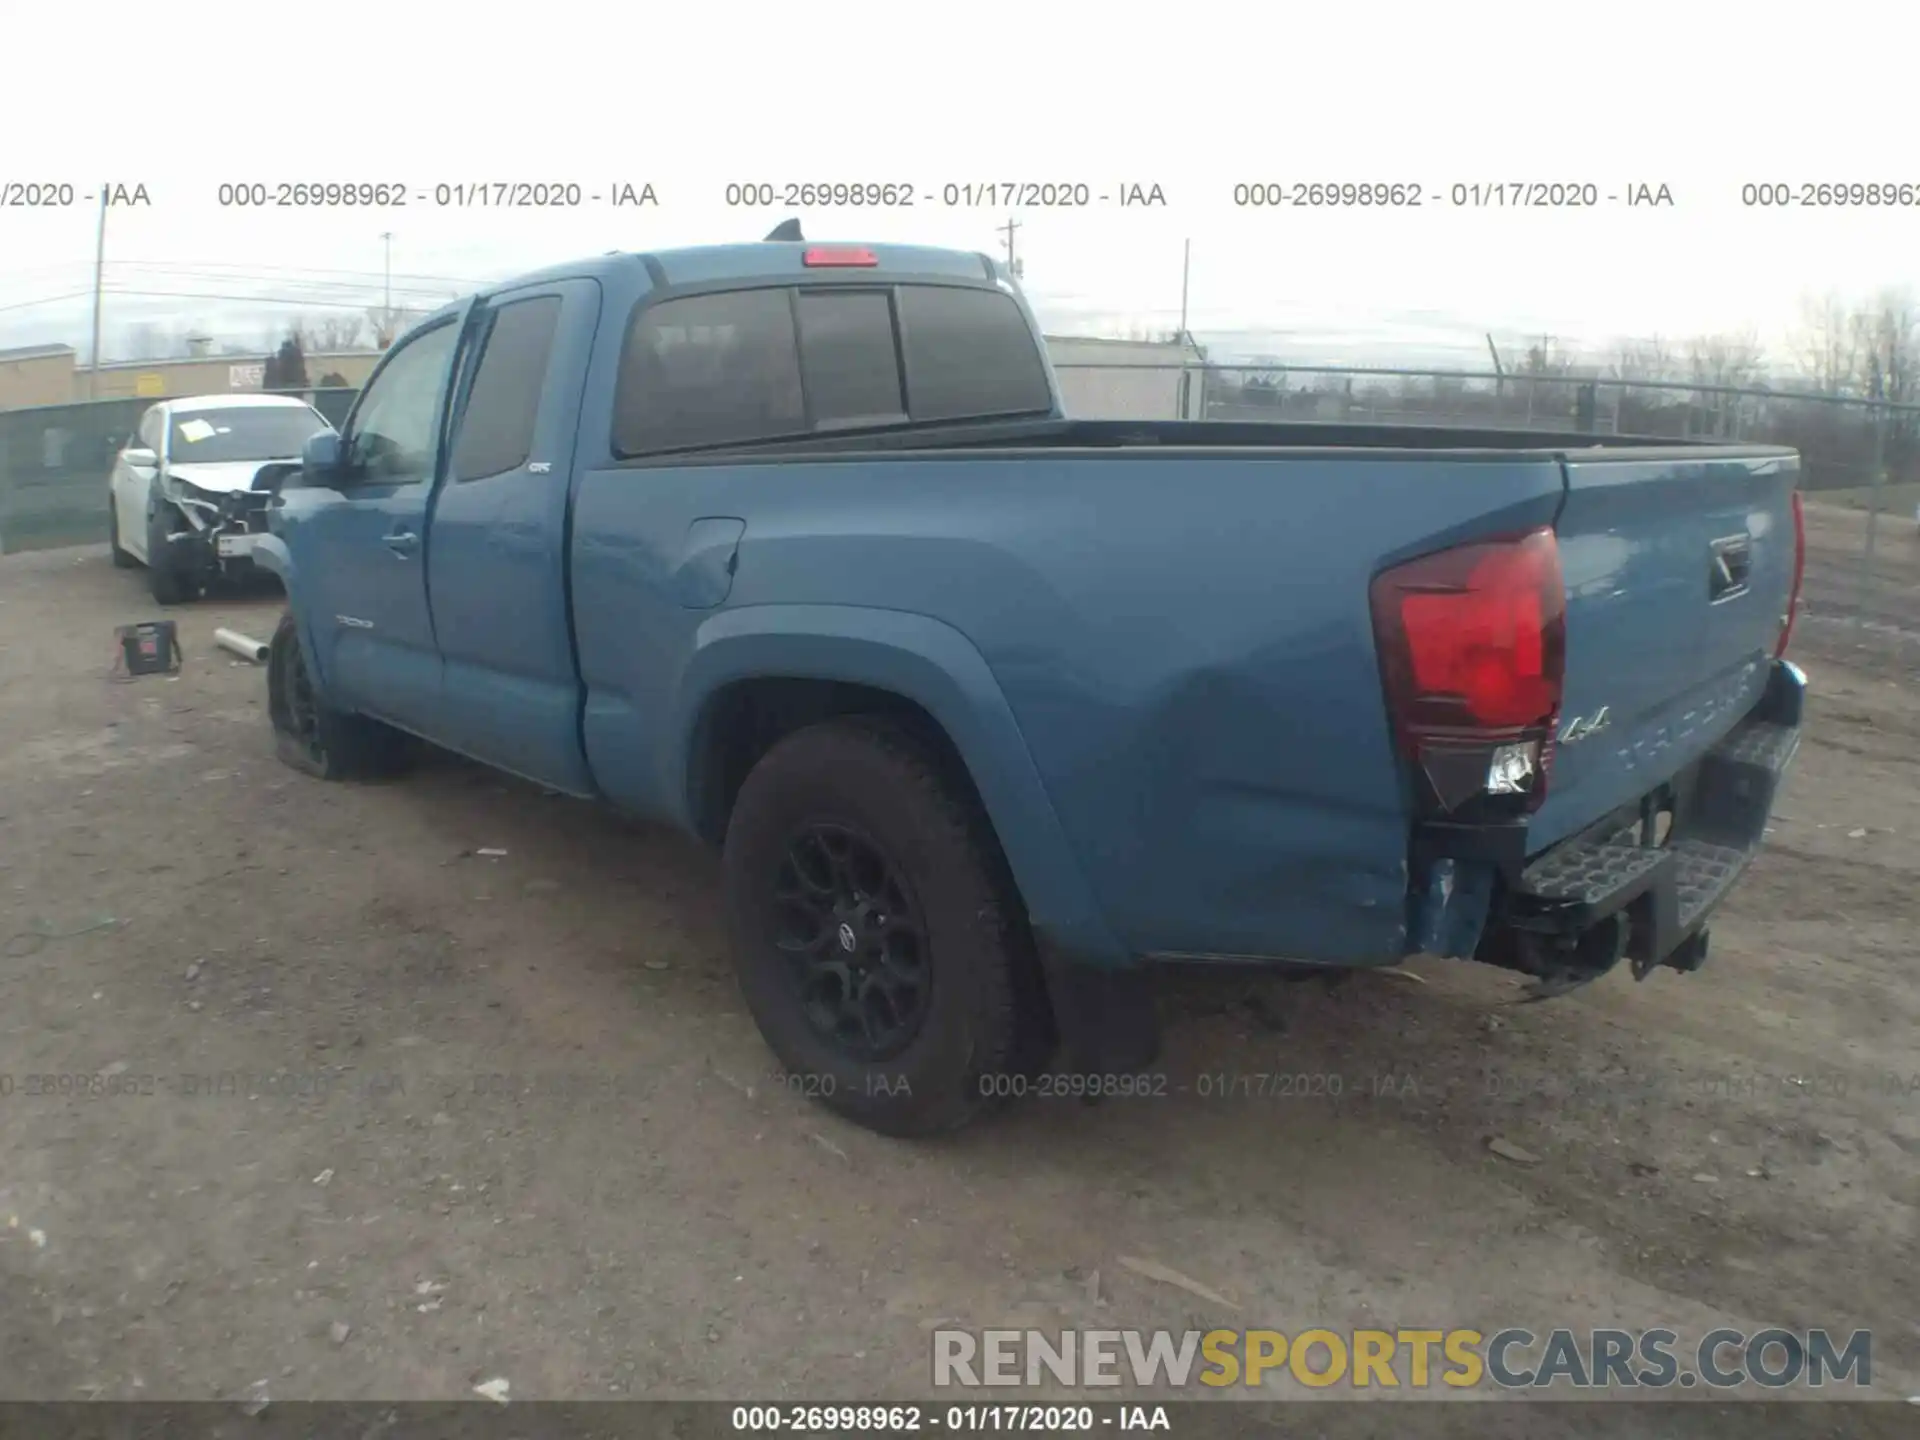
x,y
189,493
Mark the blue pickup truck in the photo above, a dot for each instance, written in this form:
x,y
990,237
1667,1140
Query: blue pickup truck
x,y
991,712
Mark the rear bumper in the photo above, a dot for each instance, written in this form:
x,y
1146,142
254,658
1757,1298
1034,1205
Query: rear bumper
x,y
1621,890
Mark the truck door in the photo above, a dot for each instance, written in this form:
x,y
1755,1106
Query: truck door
x,y
363,570
496,569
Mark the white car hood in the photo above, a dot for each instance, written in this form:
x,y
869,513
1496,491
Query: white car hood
x,y
220,476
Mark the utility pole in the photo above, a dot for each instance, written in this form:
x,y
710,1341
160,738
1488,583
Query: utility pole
x,y
1186,268
1186,376
386,291
99,273
1008,230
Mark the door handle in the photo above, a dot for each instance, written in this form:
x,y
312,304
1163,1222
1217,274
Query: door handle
x,y
403,543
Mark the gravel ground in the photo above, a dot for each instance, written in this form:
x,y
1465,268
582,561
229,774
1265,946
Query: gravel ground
x,y
362,1111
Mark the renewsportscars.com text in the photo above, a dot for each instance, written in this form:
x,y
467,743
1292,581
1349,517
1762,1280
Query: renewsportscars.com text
x,y
1509,1359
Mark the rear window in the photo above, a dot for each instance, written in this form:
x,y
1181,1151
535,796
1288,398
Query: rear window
x,y
969,354
850,360
748,365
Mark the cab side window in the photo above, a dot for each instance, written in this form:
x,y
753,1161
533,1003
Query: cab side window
x,y
721,369
496,432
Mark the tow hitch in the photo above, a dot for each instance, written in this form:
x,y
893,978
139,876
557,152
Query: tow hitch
x,y
1633,887
1691,955
1560,963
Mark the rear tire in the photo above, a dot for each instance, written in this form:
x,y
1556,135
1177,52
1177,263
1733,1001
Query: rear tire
x,y
311,736
122,560
876,934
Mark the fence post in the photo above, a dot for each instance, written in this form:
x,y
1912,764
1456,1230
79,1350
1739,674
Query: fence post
x,y
1867,583
1586,409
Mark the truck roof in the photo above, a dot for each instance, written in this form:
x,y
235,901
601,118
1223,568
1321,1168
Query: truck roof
x,y
769,260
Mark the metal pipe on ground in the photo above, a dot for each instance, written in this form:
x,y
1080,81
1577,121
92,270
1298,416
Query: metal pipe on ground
x,y
245,646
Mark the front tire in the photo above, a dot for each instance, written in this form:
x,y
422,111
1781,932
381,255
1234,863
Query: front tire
x,y
311,736
876,935
169,583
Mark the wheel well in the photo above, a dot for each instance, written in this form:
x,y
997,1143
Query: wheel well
x,y
748,718
745,720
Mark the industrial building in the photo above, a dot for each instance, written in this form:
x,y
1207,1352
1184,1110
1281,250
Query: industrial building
x,y
52,375
1129,379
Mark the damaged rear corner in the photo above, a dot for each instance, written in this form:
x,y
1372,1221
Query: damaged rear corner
x,y
1638,885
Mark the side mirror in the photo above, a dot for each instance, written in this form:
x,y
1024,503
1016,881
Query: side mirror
x,y
320,459
273,478
140,456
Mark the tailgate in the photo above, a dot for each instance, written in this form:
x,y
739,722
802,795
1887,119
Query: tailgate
x,y
1679,570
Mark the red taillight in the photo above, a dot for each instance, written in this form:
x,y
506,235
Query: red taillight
x,y
839,255
1799,573
1472,645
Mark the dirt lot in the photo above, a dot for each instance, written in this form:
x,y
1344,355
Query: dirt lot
x,y
503,1116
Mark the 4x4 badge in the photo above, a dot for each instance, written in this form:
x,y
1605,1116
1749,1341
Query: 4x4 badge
x,y
1581,726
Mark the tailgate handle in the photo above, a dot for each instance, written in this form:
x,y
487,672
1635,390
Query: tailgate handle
x,y
1728,568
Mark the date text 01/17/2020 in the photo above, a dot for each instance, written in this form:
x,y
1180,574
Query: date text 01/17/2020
x,y
1460,195
443,195
908,194
960,1419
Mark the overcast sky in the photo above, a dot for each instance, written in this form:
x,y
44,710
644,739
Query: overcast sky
x,y
1193,98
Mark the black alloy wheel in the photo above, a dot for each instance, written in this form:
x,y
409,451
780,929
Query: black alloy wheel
x,y
856,940
878,938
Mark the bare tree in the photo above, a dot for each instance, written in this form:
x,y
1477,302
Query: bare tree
x,y
390,325
1736,359
1886,334
1545,357
1825,357
1718,363
144,342
1650,360
330,333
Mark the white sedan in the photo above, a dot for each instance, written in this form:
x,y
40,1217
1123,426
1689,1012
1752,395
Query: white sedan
x,y
185,500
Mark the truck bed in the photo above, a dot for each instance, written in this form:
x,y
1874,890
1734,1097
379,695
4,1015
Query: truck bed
x,y
1054,434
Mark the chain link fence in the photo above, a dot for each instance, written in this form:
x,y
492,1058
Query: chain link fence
x,y
55,460
1861,458
1845,443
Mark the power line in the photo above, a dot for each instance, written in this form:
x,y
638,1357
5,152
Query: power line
x,y
243,300
272,274
316,270
47,300
318,287
336,294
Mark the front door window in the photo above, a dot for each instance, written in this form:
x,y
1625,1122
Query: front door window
x,y
393,439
